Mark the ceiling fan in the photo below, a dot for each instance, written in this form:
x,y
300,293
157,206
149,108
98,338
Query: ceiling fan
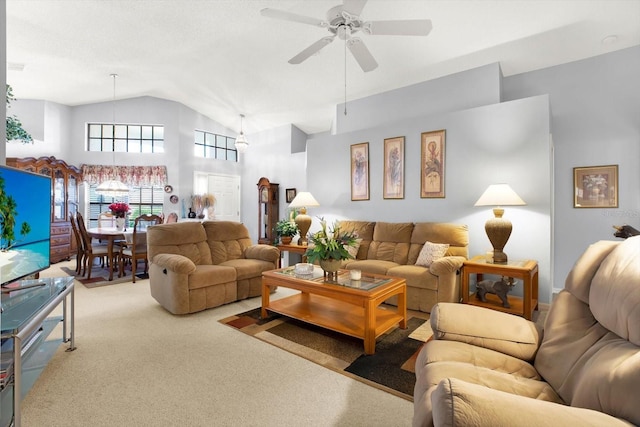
x,y
343,21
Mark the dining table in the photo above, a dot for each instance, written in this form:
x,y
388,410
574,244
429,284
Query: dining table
x,y
110,235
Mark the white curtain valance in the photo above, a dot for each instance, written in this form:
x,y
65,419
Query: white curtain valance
x,y
134,176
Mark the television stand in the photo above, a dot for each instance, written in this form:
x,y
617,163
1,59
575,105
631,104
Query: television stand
x,y
26,324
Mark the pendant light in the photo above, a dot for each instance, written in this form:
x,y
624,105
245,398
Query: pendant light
x,y
113,187
241,141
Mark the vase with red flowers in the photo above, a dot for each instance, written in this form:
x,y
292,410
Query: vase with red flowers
x,y
119,210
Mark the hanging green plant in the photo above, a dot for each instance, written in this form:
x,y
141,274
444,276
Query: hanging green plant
x,y
15,131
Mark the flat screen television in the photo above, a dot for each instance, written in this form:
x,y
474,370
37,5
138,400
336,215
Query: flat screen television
x,y
25,223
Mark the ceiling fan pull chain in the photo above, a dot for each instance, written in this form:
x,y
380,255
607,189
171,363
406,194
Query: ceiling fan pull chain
x,y
345,76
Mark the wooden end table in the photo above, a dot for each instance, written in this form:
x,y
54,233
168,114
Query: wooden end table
x,y
293,248
343,305
526,270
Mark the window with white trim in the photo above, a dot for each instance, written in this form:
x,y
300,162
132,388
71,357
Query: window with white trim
x,y
141,200
213,146
133,138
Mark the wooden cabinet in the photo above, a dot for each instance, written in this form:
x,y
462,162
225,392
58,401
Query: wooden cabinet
x,y
268,210
65,180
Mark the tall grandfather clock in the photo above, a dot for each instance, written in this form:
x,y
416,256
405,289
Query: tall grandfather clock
x,y
268,206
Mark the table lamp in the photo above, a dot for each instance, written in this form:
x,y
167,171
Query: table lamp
x,y
499,229
302,200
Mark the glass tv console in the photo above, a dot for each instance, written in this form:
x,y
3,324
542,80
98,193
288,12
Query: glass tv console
x,y
26,322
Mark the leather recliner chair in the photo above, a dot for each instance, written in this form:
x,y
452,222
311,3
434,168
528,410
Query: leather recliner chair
x,y
490,368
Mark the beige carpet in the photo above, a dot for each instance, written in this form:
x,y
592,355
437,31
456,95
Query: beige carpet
x,y
391,368
138,365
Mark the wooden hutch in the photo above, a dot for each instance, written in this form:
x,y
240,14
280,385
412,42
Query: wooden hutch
x,y
65,180
268,205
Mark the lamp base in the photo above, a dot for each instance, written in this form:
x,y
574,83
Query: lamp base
x,y
499,257
303,221
498,231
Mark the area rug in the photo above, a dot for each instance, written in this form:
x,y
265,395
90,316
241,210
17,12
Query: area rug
x,y
100,277
391,368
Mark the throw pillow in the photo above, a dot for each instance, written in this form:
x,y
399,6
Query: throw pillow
x,y
353,250
431,252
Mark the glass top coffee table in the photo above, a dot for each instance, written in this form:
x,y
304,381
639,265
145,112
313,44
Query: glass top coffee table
x,y
351,307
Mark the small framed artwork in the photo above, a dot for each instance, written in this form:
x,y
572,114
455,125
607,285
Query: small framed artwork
x,y
393,181
360,171
432,164
595,187
291,194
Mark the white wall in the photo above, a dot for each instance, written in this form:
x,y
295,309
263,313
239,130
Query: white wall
x,y
507,142
595,120
47,122
270,155
460,91
60,131
3,77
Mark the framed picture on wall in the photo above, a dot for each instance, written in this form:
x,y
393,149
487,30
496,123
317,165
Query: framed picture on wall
x,y
360,171
291,194
393,181
595,187
432,164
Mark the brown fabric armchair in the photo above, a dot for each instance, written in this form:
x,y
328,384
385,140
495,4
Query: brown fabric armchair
x,y
487,368
195,266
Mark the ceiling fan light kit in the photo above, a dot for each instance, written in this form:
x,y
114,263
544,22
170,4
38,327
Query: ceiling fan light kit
x,y
343,21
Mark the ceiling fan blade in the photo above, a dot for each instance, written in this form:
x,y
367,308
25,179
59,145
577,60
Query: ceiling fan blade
x,y
288,16
311,50
362,54
407,27
353,7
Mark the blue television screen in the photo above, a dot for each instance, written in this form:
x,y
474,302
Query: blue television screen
x,y
25,223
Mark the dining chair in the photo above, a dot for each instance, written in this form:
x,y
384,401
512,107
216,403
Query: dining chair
x,y
137,248
91,250
79,243
106,219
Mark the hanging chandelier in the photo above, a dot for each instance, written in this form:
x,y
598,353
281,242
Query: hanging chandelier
x,y
241,142
113,187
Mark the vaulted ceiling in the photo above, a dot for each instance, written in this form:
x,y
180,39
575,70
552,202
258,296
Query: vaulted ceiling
x,y
223,58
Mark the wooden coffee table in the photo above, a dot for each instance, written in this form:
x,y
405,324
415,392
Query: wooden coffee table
x,y
346,306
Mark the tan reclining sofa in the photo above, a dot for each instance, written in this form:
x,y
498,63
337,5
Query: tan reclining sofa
x,y
487,368
195,266
393,248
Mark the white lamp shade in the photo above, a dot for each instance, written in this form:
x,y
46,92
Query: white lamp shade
x,y
113,188
499,195
303,199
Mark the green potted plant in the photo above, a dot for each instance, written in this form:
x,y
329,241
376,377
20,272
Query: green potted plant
x,y
329,246
286,229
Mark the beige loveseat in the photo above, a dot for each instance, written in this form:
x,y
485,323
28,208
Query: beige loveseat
x,y
392,249
195,266
487,368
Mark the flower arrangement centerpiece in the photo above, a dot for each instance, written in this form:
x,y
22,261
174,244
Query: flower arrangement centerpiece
x,y
119,209
329,246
